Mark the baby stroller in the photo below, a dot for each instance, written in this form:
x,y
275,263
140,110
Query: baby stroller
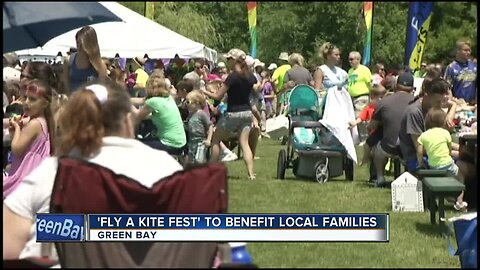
x,y
312,150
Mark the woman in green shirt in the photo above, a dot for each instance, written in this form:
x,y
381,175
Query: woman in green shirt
x,y
165,116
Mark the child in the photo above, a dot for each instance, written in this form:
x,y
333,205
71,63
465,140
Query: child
x,y
32,143
285,97
268,95
200,128
436,141
377,93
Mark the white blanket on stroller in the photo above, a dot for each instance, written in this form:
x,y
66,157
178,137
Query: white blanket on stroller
x,y
338,112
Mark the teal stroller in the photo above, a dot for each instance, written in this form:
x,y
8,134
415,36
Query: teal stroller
x,y
312,150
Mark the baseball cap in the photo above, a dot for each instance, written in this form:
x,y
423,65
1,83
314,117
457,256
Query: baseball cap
x,y
272,66
405,79
221,65
236,54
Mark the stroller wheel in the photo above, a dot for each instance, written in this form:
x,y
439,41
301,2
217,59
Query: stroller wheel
x,y
281,164
321,172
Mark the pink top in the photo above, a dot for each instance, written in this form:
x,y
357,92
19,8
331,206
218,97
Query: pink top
x,y
38,150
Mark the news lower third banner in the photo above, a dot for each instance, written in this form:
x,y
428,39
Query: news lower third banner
x,y
214,228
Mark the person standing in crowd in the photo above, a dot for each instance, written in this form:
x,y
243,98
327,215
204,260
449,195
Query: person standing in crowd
x,y
33,142
86,64
197,76
378,74
422,71
359,82
141,76
298,73
238,119
278,78
268,94
329,74
97,128
200,128
386,117
462,73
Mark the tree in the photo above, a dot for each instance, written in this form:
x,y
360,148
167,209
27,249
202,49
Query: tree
x,y
303,26
182,19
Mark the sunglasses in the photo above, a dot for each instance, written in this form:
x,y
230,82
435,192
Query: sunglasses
x,y
34,90
351,59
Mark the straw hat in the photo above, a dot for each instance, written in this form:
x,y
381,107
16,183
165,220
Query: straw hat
x,y
283,56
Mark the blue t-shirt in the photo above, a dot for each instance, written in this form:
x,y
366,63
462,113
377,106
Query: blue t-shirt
x,y
463,77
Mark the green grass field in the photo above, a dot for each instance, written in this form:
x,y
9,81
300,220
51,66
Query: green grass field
x,y
414,242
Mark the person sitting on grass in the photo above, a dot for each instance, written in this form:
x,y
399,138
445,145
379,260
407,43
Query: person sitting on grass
x,y
200,128
377,93
436,141
165,116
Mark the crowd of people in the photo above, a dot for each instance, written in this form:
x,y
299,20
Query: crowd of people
x,y
104,110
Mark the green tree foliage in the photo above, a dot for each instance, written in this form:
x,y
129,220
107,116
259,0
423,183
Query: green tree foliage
x,y
183,19
303,26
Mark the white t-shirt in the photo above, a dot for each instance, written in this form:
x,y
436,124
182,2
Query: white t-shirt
x,y
124,156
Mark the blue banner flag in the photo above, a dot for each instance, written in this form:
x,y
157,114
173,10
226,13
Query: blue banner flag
x,y
419,17
60,228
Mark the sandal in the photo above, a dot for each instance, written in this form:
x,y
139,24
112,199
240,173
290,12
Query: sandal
x,y
253,177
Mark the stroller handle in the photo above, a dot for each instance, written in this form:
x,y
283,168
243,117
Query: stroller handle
x,y
306,124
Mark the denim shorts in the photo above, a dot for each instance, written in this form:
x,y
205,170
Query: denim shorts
x,y
451,168
235,122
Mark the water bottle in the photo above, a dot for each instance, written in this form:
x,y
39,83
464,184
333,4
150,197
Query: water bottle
x,y
240,253
201,153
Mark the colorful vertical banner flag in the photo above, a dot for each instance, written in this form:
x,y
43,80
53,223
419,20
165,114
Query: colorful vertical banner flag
x,y
150,10
368,15
252,26
419,16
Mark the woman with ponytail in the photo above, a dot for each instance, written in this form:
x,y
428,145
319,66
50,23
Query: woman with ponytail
x,y
237,122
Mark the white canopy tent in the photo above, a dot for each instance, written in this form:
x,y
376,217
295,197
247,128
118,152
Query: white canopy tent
x,y
135,36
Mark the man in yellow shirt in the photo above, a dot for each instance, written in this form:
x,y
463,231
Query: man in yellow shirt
x,y
142,75
278,78
359,82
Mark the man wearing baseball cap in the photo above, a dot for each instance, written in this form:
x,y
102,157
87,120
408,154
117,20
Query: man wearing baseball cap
x,y
278,77
387,117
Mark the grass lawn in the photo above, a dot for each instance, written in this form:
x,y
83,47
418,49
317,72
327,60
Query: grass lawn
x,y
414,242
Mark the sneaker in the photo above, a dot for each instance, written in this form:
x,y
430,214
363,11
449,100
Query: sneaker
x,y
265,135
230,157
